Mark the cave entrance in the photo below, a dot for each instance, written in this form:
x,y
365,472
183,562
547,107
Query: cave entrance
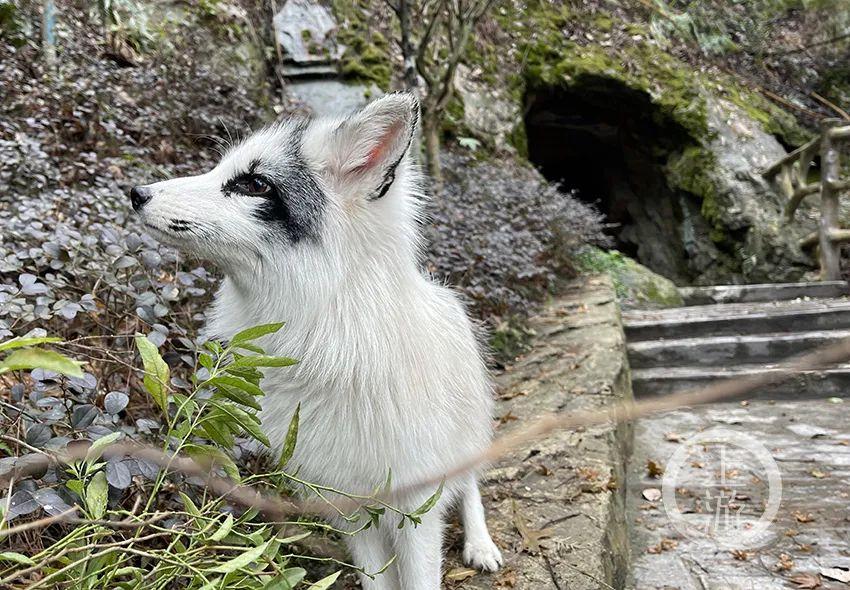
x,y
610,144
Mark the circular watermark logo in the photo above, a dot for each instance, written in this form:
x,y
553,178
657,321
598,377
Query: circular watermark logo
x,y
732,468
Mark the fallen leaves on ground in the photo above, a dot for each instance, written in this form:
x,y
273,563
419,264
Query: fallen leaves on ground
x,y
460,573
663,545
785,563
530,538
807,581
653,469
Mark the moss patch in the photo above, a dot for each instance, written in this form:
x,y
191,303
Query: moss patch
x,y
367,51
633,282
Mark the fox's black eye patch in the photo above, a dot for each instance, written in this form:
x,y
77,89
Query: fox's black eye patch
x,y
297,210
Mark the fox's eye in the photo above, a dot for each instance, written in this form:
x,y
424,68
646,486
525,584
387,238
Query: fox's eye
x,y
253,186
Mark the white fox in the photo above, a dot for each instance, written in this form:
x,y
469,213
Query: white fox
x,y
316,223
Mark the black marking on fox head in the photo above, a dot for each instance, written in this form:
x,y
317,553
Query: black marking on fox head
x,y
296,204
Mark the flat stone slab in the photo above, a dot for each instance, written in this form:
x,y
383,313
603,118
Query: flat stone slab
x,y
730,319
710,351
809,539
556,506
763,292
833,382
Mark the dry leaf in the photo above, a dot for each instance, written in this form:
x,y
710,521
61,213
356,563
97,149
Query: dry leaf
x,y
785,563
673,437
663,545
460,573
807,581
741,555
530,539
653,469
818,473
801,517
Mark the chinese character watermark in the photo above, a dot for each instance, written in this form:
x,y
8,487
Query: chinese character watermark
x,y
721,517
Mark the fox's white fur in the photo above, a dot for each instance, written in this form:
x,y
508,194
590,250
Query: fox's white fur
x,y
391,376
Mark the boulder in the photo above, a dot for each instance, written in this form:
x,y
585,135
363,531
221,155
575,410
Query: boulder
x,y
487,111
634,284
738,234
306,31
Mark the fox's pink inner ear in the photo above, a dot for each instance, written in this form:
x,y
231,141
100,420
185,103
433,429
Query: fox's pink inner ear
x,y
378,154
367,148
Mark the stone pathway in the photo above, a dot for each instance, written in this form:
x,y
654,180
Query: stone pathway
x,y
808,543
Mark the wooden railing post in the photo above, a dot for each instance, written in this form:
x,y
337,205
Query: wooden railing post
x,y
830,258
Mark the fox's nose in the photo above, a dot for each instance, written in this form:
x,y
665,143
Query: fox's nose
x,y
139,195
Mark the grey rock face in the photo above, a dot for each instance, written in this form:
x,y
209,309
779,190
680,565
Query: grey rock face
x,y
487,112
746,204
306,31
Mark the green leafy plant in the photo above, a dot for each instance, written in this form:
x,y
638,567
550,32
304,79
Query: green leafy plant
x,y
27,353
179,530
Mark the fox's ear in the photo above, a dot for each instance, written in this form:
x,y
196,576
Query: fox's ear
x,y
367,148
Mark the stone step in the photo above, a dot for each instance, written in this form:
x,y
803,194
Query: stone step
x,y
833,382
764,292
731,319
728,350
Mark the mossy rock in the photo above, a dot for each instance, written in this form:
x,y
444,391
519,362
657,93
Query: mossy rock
x,y
367,56
634,283
11,25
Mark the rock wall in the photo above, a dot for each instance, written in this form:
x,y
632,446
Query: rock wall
x,y
684,142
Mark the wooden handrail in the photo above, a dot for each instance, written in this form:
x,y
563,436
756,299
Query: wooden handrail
x,y
790,176
777,166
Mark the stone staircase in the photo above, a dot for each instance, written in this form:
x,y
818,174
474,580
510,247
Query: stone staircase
x,y
731,331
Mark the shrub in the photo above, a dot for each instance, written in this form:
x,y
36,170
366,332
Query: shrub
x,y
142,513
505,236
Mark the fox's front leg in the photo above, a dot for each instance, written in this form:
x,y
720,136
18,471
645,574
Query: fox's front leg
x,y
419,553
370,551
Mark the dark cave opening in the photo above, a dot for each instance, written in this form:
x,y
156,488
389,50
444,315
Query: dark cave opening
x,y
610,144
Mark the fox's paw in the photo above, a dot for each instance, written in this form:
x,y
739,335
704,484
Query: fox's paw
x,y
482,554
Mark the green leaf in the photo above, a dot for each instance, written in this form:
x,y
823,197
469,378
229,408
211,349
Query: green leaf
x,y
237,395
243,419
252,347
16,558
211,457
287,580
264,361
290,440
223,530
214,583
469,143
237,382
256,332
156,371
216,429
190,507
242,560
294,538
97,495
22,342
325,583
76,486
429,503
97,447
39,358
248,373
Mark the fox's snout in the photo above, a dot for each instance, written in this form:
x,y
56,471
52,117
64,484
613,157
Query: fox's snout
x,y
139,195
